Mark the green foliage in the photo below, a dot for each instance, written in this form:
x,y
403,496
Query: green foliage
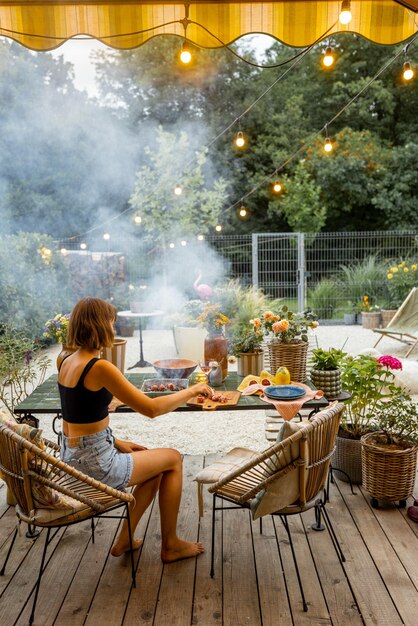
x,y
33,284
323,299
327,359
191,213
401,278
396,419
240,304
366,277
244,339
22,366
368,383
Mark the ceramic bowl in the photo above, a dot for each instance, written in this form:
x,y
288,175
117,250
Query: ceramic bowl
x,y
175,368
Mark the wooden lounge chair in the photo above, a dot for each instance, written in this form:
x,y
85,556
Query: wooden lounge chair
x,y
404,324
49,493
286,479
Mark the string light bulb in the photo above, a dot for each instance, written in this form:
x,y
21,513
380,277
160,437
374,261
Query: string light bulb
x,y
243,211
328,145
277,187
345,13
183,242
64,251
200,237
328,58
171,245
106,236
137,219
185,53
408,72
83,246
178,190
240,139
218,228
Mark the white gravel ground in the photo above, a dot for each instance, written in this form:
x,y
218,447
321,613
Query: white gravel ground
x,y
207,432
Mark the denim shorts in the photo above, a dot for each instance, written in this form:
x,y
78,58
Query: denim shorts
x,y
97,457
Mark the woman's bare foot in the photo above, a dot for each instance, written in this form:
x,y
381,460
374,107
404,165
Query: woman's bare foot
x,y
181,550
120,547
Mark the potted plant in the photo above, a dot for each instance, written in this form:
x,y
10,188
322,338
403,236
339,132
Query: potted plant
x,y
287,340
245,344
370,313
325,373
389,454
368,380
216,345
350,317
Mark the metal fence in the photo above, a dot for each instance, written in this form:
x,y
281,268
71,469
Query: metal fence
x,y
302,269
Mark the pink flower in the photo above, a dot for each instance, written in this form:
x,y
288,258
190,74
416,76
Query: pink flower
x,y
390,361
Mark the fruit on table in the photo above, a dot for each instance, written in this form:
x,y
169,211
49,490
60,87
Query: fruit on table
x,y
282,376
266,378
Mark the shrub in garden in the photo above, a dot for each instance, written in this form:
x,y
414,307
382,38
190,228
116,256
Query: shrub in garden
x,y
324,298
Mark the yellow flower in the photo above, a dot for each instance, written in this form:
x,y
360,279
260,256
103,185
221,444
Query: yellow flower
x,y
401,264
395,269
390,276
314,324
413,268
268,316
405,269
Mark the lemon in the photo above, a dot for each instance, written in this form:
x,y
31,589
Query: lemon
x,y
282,376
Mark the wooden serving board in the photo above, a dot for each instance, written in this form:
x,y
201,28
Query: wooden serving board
x,y
210,405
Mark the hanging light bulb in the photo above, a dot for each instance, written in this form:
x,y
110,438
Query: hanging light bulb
x,y
345,13
64,251
185,54
243,211
183,242
239,139
106,236
200,237
137,219
83,246
328,58
178,190
218,228
277,187
328,145
408,72
171,245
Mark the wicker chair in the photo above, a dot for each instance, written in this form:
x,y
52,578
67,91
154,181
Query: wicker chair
x,y
27,468
286,479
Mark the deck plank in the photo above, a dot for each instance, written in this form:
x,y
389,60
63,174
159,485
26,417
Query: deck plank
x,y
207,605
175,598
375,604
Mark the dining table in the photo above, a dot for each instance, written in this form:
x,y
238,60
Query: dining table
x,y
45,400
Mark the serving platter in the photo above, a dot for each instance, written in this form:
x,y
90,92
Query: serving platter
x,y
284,392
232,398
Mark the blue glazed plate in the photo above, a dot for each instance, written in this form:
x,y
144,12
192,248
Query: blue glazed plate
x,y
284,392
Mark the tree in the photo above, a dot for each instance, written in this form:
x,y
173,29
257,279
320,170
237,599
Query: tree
x,y
193,212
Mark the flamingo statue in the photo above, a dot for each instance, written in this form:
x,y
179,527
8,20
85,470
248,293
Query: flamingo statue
x,y
203,291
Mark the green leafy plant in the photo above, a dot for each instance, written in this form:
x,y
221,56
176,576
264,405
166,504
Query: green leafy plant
x,y
324,298
369,383
401,278
396,420
22,366
365,277
327,359
245,339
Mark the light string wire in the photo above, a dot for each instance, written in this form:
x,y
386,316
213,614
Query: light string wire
x,y
315,134
296,60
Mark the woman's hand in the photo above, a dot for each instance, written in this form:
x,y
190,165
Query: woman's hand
x,y
128,446
201,388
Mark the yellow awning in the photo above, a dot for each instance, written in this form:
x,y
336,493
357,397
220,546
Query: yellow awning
x,y
46,24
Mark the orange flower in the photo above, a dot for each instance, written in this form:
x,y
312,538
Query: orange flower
x,y
279,327
256,322
269,316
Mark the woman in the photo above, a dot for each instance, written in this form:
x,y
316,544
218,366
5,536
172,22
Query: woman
x,y
87,385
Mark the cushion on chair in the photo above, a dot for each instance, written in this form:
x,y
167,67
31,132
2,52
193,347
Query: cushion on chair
x,y
45,515
33,435
231,461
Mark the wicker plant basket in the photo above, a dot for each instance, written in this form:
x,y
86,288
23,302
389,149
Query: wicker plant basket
x,y
371,319
387,315
290,355
347,457
329,381
388,474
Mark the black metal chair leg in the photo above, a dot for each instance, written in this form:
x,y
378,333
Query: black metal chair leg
x,y
3,569
92,529
333,536
286,525
212,556
318,526
128,517
38,582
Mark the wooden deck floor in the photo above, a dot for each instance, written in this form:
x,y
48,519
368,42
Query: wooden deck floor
x,y
254,583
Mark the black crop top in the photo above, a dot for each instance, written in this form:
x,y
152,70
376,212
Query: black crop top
x,y
83,406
